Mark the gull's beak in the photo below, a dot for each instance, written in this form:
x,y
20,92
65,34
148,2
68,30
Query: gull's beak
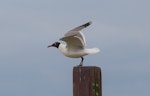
x,y
49,46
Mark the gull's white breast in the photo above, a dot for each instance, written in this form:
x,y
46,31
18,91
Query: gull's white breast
x,y
72,53
78,52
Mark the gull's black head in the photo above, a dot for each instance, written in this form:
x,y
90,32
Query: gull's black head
x,y
56,44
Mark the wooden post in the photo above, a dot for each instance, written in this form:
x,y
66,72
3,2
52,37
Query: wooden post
x,y
87,81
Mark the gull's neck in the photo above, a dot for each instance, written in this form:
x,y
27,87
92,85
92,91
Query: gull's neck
x,y
62,48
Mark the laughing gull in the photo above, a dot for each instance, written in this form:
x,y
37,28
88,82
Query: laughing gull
x,y
75,44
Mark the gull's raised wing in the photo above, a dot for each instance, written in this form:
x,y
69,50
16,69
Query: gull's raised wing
x,y
73,43
77,29
75,38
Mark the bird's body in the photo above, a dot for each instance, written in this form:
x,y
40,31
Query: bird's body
x,y
75,44
76,53
73,53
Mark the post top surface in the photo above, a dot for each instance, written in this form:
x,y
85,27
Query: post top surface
x,y
87,67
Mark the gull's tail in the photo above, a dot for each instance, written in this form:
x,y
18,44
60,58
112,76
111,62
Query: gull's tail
x,y
92,50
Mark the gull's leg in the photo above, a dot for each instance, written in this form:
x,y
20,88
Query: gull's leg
x,y
81,63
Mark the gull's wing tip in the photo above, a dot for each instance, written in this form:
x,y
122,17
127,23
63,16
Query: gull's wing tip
x,y
88,23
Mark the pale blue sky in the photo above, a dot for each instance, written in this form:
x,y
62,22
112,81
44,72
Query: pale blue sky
x,y
120,28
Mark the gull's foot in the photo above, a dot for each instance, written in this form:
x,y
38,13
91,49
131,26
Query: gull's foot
x,y
80,65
